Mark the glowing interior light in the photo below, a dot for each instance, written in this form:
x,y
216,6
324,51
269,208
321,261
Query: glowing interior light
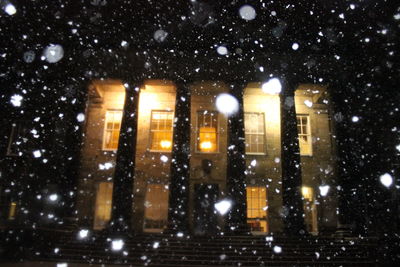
x,y
223,206
305,190
206,145
83,233
117,244
272,86
165,144
386,179
323,190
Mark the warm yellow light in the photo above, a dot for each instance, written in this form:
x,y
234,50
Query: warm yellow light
x,y
307,192
206,145
165,144
13,208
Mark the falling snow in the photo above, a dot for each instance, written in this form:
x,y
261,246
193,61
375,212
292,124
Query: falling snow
x,y
285,112
227,104
16,100
53,53
247,12
10,9
272,86
386,179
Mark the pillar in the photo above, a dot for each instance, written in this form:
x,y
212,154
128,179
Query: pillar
x,y
236,165
290,160
178,216
123,181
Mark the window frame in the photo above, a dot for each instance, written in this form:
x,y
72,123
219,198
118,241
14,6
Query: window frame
x,y
103,148
309,134
145,228
13,137
98,222
259,202
197,132
150,131
264,135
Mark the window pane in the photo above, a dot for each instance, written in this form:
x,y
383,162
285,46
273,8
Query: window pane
x,y
156,207
257,208
112,129
161,128
207,131
255,133
303,128
103,205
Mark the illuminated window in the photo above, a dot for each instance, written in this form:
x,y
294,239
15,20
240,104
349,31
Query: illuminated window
x,y
12,211
310,209
161,130
156,208
207,131
303,128
254,131
112,126
17,139
257,206
103,205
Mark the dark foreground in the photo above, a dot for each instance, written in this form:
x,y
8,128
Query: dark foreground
x,y
21,247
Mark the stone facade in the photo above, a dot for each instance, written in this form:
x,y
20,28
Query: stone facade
x,y
262,169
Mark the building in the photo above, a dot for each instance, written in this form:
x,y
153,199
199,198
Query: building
x,y
208,156
56,166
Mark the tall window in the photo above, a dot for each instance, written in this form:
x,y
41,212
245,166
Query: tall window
x,y
303,128
207,131
310,209
103,205
156,208
254,131
161,130
17,139
112,127
257,206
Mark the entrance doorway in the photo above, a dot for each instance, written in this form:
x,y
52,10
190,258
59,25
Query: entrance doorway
x,y
257,207
310,209
155,208
205,216
102,212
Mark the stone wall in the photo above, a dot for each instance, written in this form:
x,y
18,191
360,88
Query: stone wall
x,y
317,169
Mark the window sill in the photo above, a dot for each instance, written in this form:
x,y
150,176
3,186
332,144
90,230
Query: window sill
x,y
207,153
109,150
159,151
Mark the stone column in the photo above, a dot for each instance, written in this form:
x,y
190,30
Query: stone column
x,y
178,211
236,222
122,198
290,160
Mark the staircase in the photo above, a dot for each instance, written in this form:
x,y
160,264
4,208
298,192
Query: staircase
x,y
171,250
